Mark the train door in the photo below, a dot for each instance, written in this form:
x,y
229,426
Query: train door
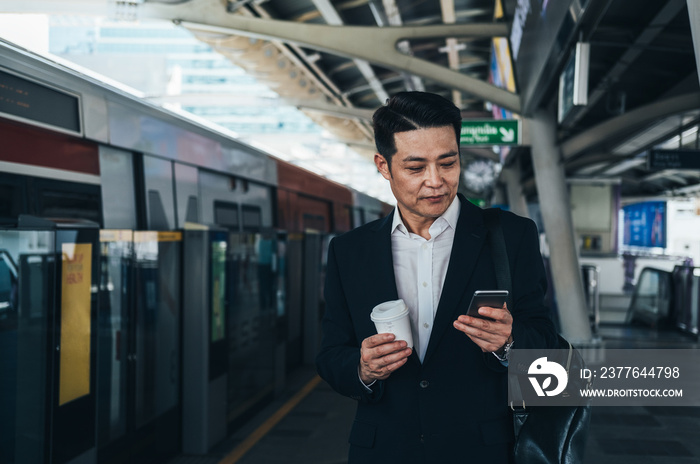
x,y
114,355
252,323
139,369
48,343
295,253
205,345
73,400
27,267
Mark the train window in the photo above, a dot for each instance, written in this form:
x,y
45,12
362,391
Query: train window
x,y
157,219
226,214
12,198
8,285
360,216
192,213
252,218
372,215
314,222
60,199
57,204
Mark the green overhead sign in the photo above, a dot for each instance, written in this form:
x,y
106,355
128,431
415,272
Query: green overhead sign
x,y
490,132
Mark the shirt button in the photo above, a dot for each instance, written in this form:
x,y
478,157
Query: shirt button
x,y
424,384
425,246
425,284
426,325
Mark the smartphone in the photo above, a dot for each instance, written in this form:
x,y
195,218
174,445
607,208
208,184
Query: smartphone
x,y
491,298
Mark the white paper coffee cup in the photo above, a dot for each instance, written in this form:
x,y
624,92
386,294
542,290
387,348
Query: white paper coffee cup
x,y
392,317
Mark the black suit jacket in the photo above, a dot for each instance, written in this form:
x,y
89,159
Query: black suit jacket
x,y
453,406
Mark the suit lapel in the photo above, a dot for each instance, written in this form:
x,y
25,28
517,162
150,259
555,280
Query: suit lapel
x,y
470,236
382,277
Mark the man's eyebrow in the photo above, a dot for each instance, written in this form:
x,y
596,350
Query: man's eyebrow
x,y
410,159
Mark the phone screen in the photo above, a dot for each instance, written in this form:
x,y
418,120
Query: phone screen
x,y
490,298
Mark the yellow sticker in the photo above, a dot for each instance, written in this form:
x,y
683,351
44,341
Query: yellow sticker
x,y
115,235
153,236
76,280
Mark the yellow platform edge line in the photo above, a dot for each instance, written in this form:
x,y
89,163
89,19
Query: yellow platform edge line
x,y
266,426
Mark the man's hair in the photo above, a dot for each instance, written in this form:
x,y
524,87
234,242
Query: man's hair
x,y
407,111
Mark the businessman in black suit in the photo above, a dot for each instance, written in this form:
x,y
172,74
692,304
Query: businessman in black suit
x,y
445,400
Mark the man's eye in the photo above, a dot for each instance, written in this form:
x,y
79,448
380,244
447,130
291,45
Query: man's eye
x,y
448,165
415,169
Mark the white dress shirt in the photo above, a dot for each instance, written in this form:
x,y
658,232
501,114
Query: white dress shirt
x,y
420,267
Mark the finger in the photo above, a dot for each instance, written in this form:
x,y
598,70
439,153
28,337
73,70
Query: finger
x,y
487,325
497,314
488,335
380,368
383,351
391,357
477,331
379,339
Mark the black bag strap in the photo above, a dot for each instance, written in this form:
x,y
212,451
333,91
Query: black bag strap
x,y
492,221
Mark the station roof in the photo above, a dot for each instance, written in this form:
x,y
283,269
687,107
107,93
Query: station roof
x,y
338,60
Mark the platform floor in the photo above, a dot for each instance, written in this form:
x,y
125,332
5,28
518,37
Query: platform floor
x,y
315,430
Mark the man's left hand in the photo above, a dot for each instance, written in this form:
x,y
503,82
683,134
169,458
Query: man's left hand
x,y
490,335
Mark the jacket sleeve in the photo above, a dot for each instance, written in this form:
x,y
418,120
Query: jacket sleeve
x,y
339,356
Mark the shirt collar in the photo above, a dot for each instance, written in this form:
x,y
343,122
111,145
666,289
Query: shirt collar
x,y
451,215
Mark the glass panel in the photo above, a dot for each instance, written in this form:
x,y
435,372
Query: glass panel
x,y
279,268
168,342
157,323
27,266
218,290
251,322
115,273
652,297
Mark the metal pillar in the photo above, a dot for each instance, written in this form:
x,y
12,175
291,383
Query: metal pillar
x,y
556,214
694,16
514,189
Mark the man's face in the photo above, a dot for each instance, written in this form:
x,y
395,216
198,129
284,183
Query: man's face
x,y
424,173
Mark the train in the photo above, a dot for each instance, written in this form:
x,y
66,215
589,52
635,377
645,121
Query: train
x,y
159,279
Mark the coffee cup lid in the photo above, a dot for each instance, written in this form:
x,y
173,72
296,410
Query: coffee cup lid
x,y
389,310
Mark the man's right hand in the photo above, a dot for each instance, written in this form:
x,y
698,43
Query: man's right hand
x,y
380,355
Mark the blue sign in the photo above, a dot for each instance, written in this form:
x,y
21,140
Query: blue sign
x,y
645,224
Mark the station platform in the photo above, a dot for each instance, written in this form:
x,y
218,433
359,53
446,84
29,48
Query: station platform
x,y
310,423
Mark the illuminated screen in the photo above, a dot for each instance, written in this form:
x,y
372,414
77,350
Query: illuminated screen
x,y
645,224
31,101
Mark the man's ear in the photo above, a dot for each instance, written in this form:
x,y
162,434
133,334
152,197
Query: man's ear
x,y
382,166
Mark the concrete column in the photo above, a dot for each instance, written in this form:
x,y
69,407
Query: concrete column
x,y
556,214
514,189
694,16
498,195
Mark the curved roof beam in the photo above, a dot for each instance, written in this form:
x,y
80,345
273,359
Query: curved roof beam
x,y
622,126
451,48
393,18
331,16
374,44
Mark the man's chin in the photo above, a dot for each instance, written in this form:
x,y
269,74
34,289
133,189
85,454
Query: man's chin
x,y
435,209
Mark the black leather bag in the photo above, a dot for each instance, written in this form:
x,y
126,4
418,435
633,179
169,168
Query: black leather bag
x,y
543,434
550,434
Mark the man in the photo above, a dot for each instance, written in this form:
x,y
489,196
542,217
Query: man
x,y
444,401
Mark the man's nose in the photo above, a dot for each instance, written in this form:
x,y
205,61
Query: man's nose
x,y
433,177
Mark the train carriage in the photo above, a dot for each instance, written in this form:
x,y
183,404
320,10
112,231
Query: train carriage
x,y
158,278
